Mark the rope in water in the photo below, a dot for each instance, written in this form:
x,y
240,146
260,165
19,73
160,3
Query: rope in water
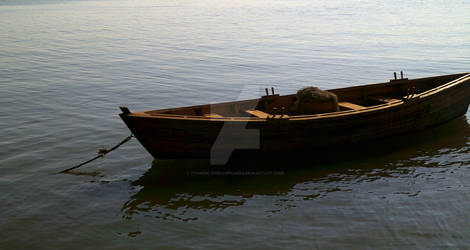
x,y
101,153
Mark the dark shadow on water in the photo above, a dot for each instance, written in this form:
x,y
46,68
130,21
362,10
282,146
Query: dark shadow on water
x,y
194,184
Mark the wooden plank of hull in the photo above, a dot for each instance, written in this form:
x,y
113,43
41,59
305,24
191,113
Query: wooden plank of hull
x,y
166,137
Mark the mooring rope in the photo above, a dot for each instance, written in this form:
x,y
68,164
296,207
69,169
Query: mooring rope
x,y
101,153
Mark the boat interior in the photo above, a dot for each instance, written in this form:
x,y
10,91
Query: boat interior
x,y
348,99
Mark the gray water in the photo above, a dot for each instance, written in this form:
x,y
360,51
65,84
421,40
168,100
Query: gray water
x,y
66,66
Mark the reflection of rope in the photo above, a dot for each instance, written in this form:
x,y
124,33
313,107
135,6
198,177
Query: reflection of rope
x,y
101,153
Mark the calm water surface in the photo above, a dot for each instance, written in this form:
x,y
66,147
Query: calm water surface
x,y
65,67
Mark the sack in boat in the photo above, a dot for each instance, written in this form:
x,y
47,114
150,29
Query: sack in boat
x,y
312,100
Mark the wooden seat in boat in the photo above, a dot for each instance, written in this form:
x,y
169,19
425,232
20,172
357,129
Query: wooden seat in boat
x,y
213,115
258,113
261,114
349,105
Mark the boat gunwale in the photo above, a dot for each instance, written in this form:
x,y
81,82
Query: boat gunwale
x,y
426,94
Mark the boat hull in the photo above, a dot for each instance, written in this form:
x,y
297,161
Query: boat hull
x,y
217,139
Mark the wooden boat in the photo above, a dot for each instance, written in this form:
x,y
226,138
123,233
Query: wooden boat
x,y
271,124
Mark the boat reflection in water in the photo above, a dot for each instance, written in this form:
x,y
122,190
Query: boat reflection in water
x,y
182,189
